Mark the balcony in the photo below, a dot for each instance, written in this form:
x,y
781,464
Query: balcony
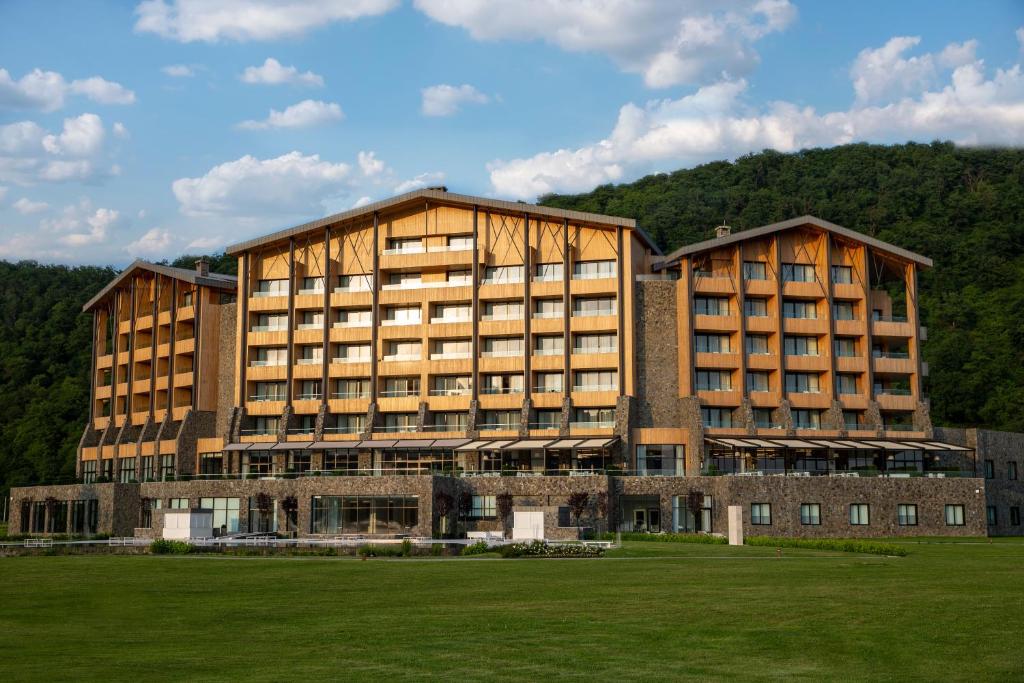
x,y
450,392
595,387
451,356
309,361
491,391
269,328
398,357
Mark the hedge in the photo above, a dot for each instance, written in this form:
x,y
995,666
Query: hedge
x,y
846,545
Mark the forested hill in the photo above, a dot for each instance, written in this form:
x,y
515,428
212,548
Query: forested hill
x,y
964,208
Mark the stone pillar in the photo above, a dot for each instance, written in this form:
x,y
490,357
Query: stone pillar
x,y
525,418
735,525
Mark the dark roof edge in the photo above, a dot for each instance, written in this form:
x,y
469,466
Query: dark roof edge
x,y
752,233
215,280
450,197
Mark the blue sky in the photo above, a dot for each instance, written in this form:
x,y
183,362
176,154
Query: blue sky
x,y
149,129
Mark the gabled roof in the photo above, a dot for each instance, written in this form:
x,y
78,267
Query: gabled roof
x,y
215,280
445,197
800,221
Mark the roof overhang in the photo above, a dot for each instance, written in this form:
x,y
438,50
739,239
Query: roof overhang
x,y
833,444
450,198
799,222
214,280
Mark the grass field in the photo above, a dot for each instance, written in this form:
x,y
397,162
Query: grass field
x,y
647,611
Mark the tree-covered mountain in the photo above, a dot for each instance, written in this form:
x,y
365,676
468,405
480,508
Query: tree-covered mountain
x,y
962,207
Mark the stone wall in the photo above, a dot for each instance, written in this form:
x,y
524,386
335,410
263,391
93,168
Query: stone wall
x,y
1001,448
118,504
225,369
657,354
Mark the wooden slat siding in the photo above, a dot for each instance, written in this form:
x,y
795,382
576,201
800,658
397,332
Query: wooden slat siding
x,y
475,309
916,330
781,320
171,365
741,299
527,310
830,294
198,336
131,352
325,352
868,324
566,310
620,306
92,369
153,364
115,336
375,310
290,371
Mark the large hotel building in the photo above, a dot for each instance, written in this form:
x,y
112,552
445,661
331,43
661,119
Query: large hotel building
x,y
405,367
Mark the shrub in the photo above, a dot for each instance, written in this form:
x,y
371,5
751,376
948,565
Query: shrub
x,y
542,549
846,545
665,538
371,550
164,547
478,548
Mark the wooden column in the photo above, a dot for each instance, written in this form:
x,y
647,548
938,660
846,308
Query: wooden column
x,y
830,295
328,279
474,380
92,369
690,339
171,365
527,310
868,323
198,337
741,299
131,350
243,316
620,332
566,312
375,310
155,335
780,336
290,351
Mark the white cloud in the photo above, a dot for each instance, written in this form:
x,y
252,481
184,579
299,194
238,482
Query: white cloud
x,y
273,73
422,180
716,123
205,243
362,201
179,71
210,21
119,130
77,233
47,90
302,115
1020,37
29,153
445,100
369,164
78,225
3,192
880,74
26,206
289,185
154,242
669,43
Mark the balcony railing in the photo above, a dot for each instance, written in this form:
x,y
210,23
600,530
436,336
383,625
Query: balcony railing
x,y
496,426
899,428
260,294
595,387
501,354
450,392
549,352
500,317
457,355
400,393
351,359
352,323
545,425
309,361
544,315
440,427
592,424
310,326
283,327
599,349
311,396
402,357
345,429
389,322
501,390
892,391
415,249
453,319
592,314
266,398
897,355
315,290
351,394
449,248
889,318
396,428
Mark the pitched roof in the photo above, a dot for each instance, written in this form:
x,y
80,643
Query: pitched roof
x,y
800,221
215,280
445,197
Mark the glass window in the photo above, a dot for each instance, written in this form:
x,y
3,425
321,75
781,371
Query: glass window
x,y
407,349
591,270
503,274
404,280
954,515
593,305
459,277
548,419
847,384
763,418
548,308
798,309
660,460
802,382
211,463
810,514
353,353
906,515
452,312
401,386
595,417
451,385
712,343
548,382
451,349
460,242
166,468
126,471
270,322
503,347
842,275
711,305
353,388
363,514
549,345
846,347
755,270
400,422
800,346
757,343
859,514
271,288
225,513
797,272
503,310
403,315
714,380
716,417
1015,516
990,469
843,310
450,421
545,272
501,419
1011,470
991,515
596,380
405,245
268,391
757,380
355,283
354,317
804,418
691,513
594,343
755,308
483,507
502,384
761,514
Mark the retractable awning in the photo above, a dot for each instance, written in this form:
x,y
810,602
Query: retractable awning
x,y
378,444
835,444
237,446
526,445
291,445
597,443
331,445
450,443
564,443
472,446
414,443
496,445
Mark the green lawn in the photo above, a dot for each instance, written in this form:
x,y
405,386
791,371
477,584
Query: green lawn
x,y
647,611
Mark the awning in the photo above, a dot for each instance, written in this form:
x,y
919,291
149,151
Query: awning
x,y
331,445
496,445
237,446
526,445
472,446
889,445
291,445
378,444
564,443
948,446
737,443
834,445
450,443
413,443
796,443
598,443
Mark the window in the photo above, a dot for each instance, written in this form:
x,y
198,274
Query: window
x,y
595,417
842,275
400,422
712,343
311,355
990,469
401,386
691,514
177,503
859,514
355,283
146,473
402,350
797,272
312,285
460,242
304,424
352,388
716,417
546,272
271,322
846,384
549,345
846,347
714,380
271,288
755,308
501,384
451,349
591,306
906,515
450,421
954,515
268,391
459,277
660,460
991,515
349,423
186,299
755,270
444,313
353,353
594,343
404,245
592,270
810,514
548,419
225,513
548,308
211,463
503,274
84,517
802,382
797,309
1015,516
761,514
341,460
757,380
843,310
89,472
757,344
501,419
404,281
503,310
502,347
1011,470
450,385
403,315
483,507
711,305
596,380
548,383
126,471
166,468
363,514
763,418
265,426
853,419
806,418
354,317
801,346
